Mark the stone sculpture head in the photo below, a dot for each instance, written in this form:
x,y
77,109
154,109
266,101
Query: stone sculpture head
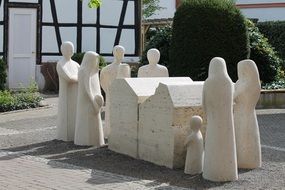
x,y
247,70
67,49
196,123
119,53
218,67
90,61
153,56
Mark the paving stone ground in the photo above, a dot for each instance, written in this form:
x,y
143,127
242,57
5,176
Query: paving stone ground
x,y
28,172
31,159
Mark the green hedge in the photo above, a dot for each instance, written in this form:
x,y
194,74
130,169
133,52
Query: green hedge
x,y
3,74
265,57
275,32
204,29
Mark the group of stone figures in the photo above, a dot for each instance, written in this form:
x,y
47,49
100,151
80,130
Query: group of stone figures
x,y
80,98
232,138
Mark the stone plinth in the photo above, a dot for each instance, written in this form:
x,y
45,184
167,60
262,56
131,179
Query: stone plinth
x,y
164,122
125,97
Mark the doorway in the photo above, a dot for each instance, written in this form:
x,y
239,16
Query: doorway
x,y
22,46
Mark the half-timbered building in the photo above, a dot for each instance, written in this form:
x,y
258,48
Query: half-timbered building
x,y
33,31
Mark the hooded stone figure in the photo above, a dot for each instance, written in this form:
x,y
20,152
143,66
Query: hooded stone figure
x,y
89,129
246,96
220,162
67,70
153,69
108,74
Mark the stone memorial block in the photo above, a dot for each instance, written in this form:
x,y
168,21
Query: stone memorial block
x,y
164,122
125,97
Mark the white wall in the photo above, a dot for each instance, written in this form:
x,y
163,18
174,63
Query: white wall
x,y
263,14
110,14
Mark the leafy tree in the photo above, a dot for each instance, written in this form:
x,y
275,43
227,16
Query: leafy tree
x,y
149,6
94,3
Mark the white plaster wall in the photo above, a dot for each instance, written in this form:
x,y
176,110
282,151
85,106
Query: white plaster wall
x,y
66,11
25,1
50,59
2,11
258,1
69,34
49,43
88,39
47,16
265,14
88,15
268,14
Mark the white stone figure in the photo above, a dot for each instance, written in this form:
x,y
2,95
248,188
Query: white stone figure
x,y
89,130
246,96
220,161
108,74
195,148
67,70
153,69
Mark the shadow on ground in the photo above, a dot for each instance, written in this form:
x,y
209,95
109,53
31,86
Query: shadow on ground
x,y
102,159
105,160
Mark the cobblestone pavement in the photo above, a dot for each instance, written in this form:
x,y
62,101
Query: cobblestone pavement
x,y
30,159
28,172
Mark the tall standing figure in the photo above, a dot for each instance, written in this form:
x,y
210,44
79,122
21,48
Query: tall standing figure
x,y
67,70
89,129
108,74
153,69
246,96
220,161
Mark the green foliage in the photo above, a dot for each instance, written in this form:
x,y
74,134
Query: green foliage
x,y
204,29
79,56
279,84
94,3
150,7
23,99
275,32
3,74
265,57
159,39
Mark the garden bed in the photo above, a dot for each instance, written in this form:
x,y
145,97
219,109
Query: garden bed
x,y
271,99
23,99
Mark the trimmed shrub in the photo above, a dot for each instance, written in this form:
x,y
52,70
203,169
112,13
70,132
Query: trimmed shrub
x,y
3,74
275,32
79,56
159,39
204,29
266,59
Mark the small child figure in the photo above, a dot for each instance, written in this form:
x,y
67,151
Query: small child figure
x,y
195,148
